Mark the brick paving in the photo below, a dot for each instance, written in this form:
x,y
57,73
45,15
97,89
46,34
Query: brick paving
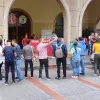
x,y
43,89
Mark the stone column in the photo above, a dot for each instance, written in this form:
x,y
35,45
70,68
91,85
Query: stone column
x,y
75,9
1,17
2,9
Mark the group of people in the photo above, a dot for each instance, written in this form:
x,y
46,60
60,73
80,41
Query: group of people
x,y
94,51
12,53
78,51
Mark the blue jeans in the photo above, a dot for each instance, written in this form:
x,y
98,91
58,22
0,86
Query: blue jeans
x,y
18,68
82,64
75,66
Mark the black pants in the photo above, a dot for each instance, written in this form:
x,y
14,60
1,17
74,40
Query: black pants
x,y
96,63
26,67
45,63
0,71
7,66
63,61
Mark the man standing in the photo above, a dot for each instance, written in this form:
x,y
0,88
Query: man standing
x,y
24,40
17,60
82,46
61,54
54,36
28,54
43,57
1,59
9,54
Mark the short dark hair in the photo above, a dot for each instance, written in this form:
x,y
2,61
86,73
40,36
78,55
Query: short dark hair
x,y
80,38
9,41
53,33
14,40
28,41
0,42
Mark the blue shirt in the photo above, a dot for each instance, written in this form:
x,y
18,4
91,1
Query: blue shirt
x,y
82,46
52,38
18,52
75,54
64,49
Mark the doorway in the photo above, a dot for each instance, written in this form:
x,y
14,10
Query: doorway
x,y
18,25
59,25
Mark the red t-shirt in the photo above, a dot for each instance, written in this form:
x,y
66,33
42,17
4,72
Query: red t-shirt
x,y
24,41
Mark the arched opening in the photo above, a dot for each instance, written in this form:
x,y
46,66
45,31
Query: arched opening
x,y
39,13
89,18
19,23
59,25
87,2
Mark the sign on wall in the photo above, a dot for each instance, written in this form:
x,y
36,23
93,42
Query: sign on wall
x,y
12,19
46,33
22,19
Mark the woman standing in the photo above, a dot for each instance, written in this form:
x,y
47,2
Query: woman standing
x,y
75,56
96,50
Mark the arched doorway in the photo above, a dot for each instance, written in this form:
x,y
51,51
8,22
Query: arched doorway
x,y
19,24
89,18
65,10
82,15
59,25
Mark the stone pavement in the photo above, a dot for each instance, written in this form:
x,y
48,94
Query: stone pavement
x,y
84,88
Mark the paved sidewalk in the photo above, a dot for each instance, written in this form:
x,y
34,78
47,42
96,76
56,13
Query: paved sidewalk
x,y
84,88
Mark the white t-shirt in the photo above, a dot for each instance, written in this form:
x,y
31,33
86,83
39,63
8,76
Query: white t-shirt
x,y
42,49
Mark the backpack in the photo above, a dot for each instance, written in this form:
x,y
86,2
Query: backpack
x,y
59,51
9,54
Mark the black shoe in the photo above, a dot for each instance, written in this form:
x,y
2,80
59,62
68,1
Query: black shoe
x,y
13,82
40,77
58,78
82,73
16,78
48,78
6,83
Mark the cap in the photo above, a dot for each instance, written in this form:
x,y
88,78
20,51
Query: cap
x,y
9,41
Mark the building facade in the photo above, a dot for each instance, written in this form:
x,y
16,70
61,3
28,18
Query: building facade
x,y
31,16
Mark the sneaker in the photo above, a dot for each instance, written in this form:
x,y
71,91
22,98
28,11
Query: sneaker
x,y
64,77
16,78
13,82
82,73
58,78
20,80
6,83
48,78
40,77
75,77
32,77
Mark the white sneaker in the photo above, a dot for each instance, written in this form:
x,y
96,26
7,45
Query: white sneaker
x,y
75,77
72,76
6,83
